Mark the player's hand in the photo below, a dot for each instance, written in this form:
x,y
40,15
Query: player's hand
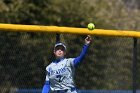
x,y
88,40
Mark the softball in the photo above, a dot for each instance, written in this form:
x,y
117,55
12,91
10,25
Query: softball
x,y
91,26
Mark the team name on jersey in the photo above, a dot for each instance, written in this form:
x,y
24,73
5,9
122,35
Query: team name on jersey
x,y
58,71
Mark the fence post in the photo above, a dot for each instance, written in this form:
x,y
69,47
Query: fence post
x,y
134,67
57,37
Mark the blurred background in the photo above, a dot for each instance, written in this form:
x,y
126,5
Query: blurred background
x,y
108,64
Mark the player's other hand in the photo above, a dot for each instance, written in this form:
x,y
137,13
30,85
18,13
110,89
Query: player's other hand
x,y
88,40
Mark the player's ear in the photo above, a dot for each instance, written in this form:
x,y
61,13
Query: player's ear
x,y
64,52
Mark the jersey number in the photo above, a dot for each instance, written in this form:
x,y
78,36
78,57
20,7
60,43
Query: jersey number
x,y
60,78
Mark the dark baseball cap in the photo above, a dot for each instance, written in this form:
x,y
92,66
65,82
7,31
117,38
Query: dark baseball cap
x,y
60,44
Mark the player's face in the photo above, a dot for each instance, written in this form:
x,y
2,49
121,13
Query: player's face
x,y
59,52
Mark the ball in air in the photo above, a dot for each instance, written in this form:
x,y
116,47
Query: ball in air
x,y
91,26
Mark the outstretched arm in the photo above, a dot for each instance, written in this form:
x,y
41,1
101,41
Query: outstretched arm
x,y
78,59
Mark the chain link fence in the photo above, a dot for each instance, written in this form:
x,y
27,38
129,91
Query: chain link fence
x,y
107,67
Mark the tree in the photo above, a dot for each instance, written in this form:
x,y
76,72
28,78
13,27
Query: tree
x,y
33,50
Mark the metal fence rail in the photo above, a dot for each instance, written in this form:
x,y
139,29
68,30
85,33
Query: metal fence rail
x,y
79,91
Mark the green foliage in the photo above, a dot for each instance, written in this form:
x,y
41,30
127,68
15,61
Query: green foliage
x,y
24,56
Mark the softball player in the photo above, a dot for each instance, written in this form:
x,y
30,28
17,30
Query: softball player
x,y
60,73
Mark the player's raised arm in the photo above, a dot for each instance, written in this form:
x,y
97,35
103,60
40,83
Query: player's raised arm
x,y
88,40
78,59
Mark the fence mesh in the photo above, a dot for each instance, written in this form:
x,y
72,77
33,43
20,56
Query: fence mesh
x,y
107,65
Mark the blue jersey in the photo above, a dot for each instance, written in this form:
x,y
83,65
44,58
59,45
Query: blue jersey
x,y
60,74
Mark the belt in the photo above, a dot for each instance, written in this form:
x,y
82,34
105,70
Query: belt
x,y
64,91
